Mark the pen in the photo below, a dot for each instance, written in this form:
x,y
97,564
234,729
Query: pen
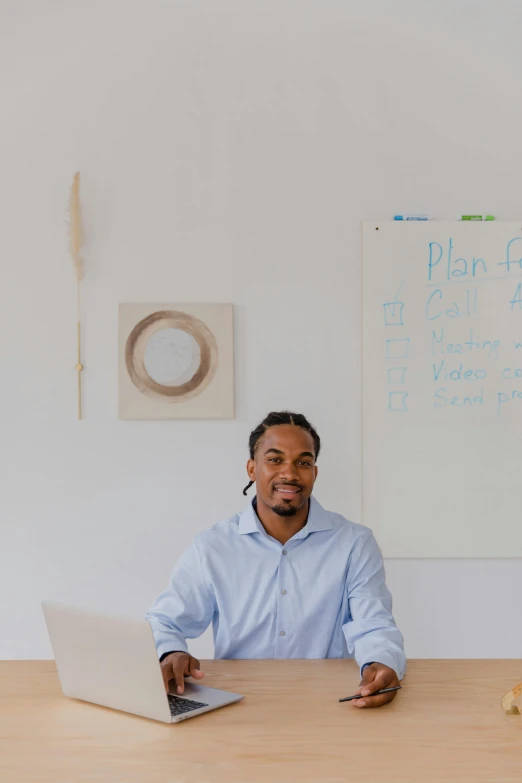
x,y
377,693
477,217
412,217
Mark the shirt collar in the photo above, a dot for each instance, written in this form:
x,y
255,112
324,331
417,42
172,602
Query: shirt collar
x,y
318,520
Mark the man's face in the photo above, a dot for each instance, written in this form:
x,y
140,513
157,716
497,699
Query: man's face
x,y
284,469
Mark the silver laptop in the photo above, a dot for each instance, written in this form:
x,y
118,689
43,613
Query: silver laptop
x,y
112,660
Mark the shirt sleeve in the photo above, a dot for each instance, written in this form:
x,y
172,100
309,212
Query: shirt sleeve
x,y
185,609
370,630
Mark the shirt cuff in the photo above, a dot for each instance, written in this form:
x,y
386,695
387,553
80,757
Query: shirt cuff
x,y
169,653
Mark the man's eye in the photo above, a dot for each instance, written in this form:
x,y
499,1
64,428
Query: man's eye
x,y
274,459
306,464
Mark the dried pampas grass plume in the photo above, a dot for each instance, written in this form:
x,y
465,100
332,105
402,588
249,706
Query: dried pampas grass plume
x,y
75,245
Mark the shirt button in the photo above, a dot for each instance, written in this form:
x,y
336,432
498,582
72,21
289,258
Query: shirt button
x,y
285,552
282,633
283,592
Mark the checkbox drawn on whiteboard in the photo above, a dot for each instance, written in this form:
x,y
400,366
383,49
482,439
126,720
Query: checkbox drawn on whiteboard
x,y
396,376
397,401
398,348
393,314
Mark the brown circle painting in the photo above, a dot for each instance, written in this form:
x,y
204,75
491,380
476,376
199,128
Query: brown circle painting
x,y
171,356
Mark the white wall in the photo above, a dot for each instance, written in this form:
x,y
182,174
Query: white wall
x,y
228,152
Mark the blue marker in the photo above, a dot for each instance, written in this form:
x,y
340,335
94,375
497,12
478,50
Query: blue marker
x,y
412,217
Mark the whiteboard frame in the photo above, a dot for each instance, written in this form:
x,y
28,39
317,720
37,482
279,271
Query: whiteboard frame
x,y
511,547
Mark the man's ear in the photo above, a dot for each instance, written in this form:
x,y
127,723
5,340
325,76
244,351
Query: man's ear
x,y
251,469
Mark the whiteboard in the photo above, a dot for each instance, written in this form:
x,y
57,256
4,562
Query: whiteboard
x,y
442,388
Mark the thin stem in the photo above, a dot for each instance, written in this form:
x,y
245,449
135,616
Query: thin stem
x,y
79,366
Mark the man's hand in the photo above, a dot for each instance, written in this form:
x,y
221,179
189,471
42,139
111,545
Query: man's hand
x,y
177,666
375,678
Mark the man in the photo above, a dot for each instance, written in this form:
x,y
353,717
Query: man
x,y
284,579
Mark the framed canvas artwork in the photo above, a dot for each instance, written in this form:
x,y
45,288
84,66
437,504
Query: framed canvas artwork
x,y
176,361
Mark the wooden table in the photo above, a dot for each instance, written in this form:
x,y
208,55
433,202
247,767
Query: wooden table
x,y
445,725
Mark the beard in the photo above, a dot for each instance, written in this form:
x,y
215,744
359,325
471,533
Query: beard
x,y
285,511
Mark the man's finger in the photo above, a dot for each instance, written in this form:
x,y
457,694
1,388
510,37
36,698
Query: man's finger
x,y
370,680
166,674
379,682
194,670
375,701
179,678
377,677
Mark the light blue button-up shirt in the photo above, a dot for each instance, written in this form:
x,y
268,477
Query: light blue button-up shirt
x,y
321,595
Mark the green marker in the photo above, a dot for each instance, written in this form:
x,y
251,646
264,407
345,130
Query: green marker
x,y
477,217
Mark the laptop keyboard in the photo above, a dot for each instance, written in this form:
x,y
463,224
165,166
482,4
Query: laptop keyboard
x,y
178,705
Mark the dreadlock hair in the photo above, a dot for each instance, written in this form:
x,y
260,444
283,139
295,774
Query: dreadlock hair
x,y
274,420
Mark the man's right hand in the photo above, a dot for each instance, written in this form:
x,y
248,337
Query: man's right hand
x,y
177,666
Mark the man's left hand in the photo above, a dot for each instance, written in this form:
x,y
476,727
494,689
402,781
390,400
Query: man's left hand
x,y
375,678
